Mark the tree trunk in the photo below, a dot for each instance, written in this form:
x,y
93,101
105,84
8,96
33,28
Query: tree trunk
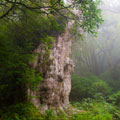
x,y
55,89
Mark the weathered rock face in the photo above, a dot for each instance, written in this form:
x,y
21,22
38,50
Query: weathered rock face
x,y
55,89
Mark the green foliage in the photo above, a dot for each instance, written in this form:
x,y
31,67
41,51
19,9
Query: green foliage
x,y
81,86
90,15
88,87
87,110
21,112
100,87
18,39
94,110
115,98
112,77
28,111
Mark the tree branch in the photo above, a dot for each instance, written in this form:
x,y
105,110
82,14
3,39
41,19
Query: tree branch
x,y
8,11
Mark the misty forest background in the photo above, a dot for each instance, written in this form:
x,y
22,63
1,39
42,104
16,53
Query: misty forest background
x,y
95,93
99,56
97,61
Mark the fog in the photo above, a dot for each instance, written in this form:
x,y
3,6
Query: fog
x,y
101,55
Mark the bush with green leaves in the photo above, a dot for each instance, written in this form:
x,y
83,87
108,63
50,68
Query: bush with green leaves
x,y
115,98
20,112
88,87
95,110
100,87
112,77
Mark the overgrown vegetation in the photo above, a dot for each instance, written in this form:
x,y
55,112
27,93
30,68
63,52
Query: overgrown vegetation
x,y
17,42
88,109
88,87
96,98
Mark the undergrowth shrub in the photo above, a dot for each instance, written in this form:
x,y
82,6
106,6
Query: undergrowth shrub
x,y
112,77
88,87
115,98
21,112
87,110
95,110
100,87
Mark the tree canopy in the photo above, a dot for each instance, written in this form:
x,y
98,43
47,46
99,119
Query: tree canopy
x,y
86,13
